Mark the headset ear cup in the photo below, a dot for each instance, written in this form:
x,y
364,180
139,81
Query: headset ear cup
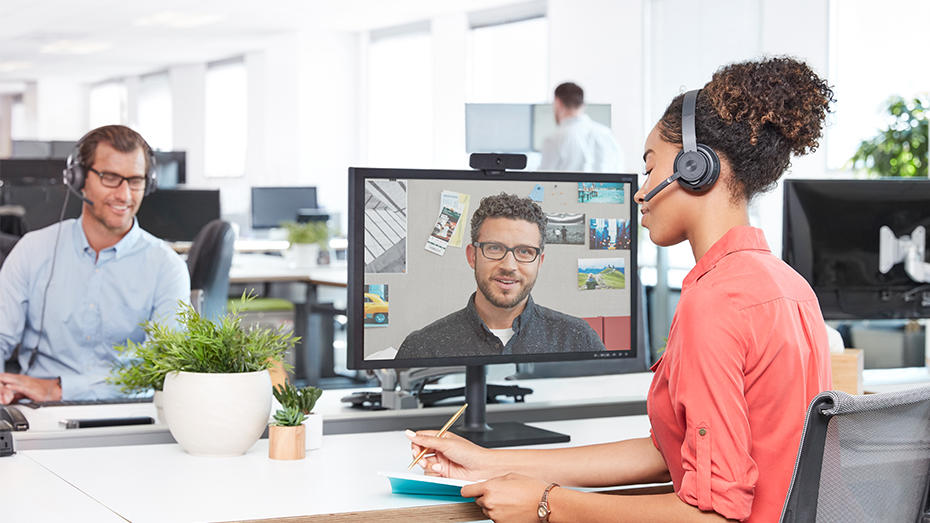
x,y
151,177
713,167
74,176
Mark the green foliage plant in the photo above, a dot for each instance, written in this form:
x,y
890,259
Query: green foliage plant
x,y
309,232
303,399
199,345
289,417
901,149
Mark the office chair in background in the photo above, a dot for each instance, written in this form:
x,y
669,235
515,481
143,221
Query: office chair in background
x,y
208,261
863,459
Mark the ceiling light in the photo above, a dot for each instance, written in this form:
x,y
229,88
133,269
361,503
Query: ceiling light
x,y
74,47
9,67
178,20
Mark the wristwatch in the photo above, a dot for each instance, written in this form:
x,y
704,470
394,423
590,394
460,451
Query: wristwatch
x,y
543,509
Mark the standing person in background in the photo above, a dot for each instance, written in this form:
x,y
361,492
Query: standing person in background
x,y
580,144
747,350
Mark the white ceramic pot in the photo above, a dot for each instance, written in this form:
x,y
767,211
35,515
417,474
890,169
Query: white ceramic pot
x,y
303,254
158,400
217,414
314,432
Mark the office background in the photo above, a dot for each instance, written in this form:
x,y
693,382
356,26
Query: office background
x,y
293,92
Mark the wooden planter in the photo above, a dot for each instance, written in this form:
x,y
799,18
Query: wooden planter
x,y
287,442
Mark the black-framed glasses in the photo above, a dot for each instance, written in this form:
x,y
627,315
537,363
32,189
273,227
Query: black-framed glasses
x,y
496,251
113,180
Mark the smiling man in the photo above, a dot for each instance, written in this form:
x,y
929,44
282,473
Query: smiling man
x,y
506,253
72,291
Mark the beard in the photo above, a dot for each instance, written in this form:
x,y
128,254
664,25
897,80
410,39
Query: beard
x,y
504,301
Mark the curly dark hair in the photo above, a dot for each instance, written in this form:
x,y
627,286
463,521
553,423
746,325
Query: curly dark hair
x,y
511,206
755,115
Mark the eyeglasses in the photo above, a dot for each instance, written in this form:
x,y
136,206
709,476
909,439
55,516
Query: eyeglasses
x,y
113,180
497,251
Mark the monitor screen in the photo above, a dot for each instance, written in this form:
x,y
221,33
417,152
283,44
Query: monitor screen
x,y
42,203
31,171
544,120
499,128
272,206
831,237
412,289
178,214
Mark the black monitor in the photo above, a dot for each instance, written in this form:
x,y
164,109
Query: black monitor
x,y
408,233
832,237
42,203
272,206
26,171
178,214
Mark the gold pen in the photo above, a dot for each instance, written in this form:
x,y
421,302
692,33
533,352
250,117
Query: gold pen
x,y
442,432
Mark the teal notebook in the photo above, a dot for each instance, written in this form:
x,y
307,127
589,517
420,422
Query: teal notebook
x,y
420,485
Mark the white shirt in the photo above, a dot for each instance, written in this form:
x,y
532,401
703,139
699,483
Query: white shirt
x,y
581,145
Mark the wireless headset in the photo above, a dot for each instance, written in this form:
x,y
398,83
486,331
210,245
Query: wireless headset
x,y
75,173
697,165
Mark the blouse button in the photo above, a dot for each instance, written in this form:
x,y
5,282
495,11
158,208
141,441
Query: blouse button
x,y
702,432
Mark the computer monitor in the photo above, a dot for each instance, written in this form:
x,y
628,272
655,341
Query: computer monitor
x,y
42,203
178,214
271,206
832,237
544,120
171,167
26,171
408,233
500,128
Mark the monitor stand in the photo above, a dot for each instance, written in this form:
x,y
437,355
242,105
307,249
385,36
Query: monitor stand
x,y
503,434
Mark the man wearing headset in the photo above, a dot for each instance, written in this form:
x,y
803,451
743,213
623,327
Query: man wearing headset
x,y
72,291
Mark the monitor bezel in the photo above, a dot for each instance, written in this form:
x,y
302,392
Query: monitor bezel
x,y
635,359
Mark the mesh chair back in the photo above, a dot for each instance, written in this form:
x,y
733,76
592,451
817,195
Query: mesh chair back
x,y
209,261
863,458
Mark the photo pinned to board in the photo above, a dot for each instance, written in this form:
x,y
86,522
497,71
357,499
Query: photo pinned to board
x,y
385,226
538,194
608,234
442,232
458,202
606,192
565,228
376,305
601,273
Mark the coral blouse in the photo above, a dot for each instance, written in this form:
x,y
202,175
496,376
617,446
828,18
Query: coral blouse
x,y
747,352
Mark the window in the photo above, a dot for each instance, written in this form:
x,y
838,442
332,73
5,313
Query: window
x,y
400,99
875,53
107,104
509,62
225,119
154,111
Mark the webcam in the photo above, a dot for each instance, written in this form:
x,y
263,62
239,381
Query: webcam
x,y
496,162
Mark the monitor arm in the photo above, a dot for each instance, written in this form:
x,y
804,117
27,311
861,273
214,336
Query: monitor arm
x,y
908,249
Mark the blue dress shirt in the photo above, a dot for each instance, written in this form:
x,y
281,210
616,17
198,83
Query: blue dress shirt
x,y
94,303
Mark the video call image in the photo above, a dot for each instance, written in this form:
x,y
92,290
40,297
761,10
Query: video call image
x,y
572,276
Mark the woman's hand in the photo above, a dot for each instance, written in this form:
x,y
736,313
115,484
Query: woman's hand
x,y
513,497
452,456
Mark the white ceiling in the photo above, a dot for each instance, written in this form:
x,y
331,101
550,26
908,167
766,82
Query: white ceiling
x,y
38,38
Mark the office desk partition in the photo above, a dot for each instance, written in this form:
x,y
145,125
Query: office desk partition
x,y
314,351
336,482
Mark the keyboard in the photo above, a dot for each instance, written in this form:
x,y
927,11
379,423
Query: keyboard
x,y
67,403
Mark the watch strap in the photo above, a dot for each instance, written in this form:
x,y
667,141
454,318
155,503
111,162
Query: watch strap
x,y
544,509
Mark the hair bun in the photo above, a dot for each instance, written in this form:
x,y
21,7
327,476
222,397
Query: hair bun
x,y
782,93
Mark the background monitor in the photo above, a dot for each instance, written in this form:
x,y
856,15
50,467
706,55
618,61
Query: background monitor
x,y
499,128
273,205
178,214
22,171
42,203
544,120
171,167
831,237
399,283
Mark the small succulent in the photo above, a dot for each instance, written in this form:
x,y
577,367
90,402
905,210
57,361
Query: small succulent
x,y
302,399
289,417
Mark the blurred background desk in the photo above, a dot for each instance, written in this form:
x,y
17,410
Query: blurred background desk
x,y
313,321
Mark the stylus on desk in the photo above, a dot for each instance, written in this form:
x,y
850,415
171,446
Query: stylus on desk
x,y
106,422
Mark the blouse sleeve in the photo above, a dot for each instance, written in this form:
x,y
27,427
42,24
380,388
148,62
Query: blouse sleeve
x,y
706,386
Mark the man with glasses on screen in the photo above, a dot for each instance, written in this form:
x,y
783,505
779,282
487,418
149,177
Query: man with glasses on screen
x,y
506,252
72,291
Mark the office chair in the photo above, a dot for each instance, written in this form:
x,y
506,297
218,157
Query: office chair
x,y
209,261
863,458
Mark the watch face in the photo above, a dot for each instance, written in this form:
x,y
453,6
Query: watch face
x,y
542,511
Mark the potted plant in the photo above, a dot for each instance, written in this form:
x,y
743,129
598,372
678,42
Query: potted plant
x,y
307,239
303,399
137,371
217,388
900,149
286,436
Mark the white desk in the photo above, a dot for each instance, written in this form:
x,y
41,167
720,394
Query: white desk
x,y
553,399
162,483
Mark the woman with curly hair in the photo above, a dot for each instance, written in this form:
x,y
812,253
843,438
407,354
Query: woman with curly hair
x,y
747,349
